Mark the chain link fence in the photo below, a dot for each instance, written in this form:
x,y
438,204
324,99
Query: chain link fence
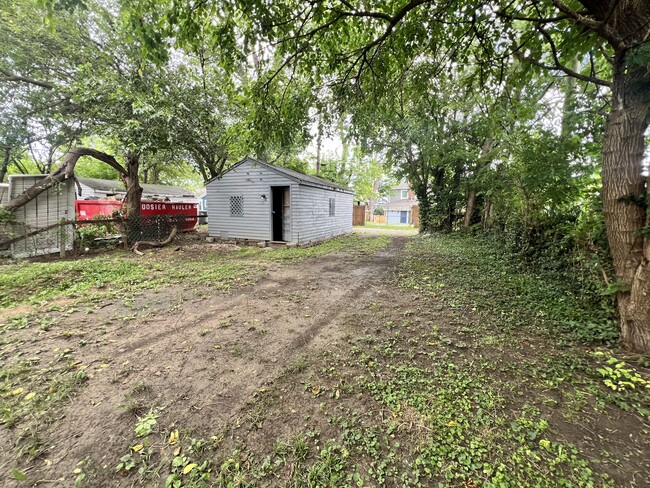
x,y
157,227
20,240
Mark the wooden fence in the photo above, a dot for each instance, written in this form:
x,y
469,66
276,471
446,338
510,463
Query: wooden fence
x,y
415,215
359,215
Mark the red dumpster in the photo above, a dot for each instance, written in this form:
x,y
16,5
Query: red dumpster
x,y
91,209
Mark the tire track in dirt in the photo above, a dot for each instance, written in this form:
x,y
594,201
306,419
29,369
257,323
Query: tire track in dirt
x,y
201,367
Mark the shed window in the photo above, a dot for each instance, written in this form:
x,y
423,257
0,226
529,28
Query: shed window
x,y
332,207
237,206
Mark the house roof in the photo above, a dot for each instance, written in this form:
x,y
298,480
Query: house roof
x,y
301,178
400,205
113,186
402,185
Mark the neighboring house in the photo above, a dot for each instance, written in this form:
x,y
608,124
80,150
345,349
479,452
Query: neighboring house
x,y
399,205
258,201
48,208
95,188
203,206
203,201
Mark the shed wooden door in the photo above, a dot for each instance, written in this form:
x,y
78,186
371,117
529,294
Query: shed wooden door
x,y
286,214
281,213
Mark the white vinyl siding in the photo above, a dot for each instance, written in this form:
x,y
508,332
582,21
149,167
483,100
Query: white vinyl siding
x,y
50,207
251,183
312,217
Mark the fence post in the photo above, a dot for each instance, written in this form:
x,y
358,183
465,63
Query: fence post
x,y
63,237
125,233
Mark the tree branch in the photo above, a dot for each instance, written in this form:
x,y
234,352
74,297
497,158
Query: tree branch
x,y
64,172
596,26
560,66
17,78
580,19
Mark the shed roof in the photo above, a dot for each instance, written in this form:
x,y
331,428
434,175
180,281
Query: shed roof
x,y
113,186
301,178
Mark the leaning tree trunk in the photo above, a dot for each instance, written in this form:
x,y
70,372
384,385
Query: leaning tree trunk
x,y
64,172
625,198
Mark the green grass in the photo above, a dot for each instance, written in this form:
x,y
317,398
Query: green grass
x,y
464,403
374,225
115,274
35,282
353,245
32,392
123,273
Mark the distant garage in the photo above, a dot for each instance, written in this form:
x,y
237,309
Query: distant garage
x,y
259,201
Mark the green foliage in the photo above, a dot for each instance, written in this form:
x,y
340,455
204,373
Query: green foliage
x,y
616,287
87,233
145,424
7,217
549,301
618,377
639,200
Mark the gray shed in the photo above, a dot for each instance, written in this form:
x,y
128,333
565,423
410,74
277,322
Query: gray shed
x,y
259,201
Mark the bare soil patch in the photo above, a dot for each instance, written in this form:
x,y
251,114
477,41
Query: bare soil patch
x,y
197,357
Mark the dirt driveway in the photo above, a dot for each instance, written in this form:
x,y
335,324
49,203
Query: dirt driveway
x,y
199,360
370,360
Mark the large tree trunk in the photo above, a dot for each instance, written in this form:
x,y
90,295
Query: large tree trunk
x,y
424,203
469,209
132,183
134,227
319,143
624,193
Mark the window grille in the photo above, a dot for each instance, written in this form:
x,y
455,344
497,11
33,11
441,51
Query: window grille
x,y
332,207
237,206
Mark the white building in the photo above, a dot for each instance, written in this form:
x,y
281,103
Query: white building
x,y
258,201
